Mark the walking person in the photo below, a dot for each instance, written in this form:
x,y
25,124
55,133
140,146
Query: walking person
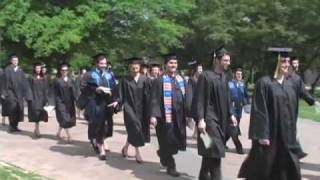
x,y
168,114
14,92
272,128
239,98
39,92
65,97
133,96
100,104
302,93
213,115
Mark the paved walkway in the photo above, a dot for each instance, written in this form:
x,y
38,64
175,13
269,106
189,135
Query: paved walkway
x,y
77,161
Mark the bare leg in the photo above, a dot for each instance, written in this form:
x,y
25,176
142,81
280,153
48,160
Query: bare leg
x,y
59,133
3,120
138,156
124,150
106,147
69,140
37,130
102,152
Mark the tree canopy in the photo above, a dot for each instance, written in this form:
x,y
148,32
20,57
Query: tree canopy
x,y
74,30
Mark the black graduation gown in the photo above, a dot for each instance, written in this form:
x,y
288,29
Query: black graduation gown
x,y
15,89
171,136
1,86
65,94
39,98
273,118
98,115
301,91
133,97
191,90
213,105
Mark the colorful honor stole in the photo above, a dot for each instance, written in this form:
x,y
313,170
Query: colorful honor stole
x,y
168,92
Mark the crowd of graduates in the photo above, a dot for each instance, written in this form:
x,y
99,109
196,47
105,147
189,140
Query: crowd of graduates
x,y
163,99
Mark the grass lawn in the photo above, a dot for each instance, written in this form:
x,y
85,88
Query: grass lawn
x,y
308,112
12,173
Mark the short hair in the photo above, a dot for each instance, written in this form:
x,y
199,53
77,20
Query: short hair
x,y
97,58
294,58
13,56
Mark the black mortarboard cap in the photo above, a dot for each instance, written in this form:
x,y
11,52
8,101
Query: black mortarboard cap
x,y
37,64
170,56
219,52
154,64
135,60
280,51
64,64
99,56
237,68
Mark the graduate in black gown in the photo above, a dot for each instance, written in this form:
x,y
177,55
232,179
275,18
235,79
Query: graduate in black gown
x,y
168,113
39,88
273,129
1,99
99,94
65,97
213,115
133,94
155,70
196,70
14,92
301,92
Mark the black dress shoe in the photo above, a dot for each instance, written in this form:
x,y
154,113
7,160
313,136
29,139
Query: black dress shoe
x,y
302,155
240,151
102,157
162,162
94,146
13,129
173,172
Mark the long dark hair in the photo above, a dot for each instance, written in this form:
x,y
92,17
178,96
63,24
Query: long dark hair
x,y
34,70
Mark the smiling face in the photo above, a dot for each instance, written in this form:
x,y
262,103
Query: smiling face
x,y
284,66
135,69
155,71
199,69
238,75
101,64
64,71
14,61
224,62
37,70
172,66
295,64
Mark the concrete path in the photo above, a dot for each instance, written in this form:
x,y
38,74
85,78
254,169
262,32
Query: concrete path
x,y
55,159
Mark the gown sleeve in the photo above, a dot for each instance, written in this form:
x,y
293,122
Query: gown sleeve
x,y
259,119
189,97
156,99
304,94
200,99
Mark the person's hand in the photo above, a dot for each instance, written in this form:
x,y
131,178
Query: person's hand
x,y
99,89
153,121
114,104
234,121
265,142
3,97
202,126
190,122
